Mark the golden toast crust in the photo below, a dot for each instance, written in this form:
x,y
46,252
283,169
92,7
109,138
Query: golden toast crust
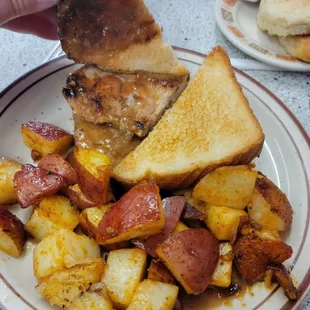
x,y
211,125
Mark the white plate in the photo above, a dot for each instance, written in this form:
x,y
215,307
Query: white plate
x,y
285,159
237,21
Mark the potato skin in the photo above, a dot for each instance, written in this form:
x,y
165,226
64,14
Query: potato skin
x,y
158,272
276,199
14,229
90,219
191,256
95,188
138,213
253,256
56,164
45,138
77,197
8,168
33,184
172,207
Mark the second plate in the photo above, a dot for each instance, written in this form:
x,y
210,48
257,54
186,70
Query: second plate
x,y
237,21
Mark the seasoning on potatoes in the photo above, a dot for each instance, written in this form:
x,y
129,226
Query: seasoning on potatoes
x,y
253,256
158,272
93,174
270,208
191,256
172,207
33,184
138,213
12,233
8,168
230,186
45,138
57,165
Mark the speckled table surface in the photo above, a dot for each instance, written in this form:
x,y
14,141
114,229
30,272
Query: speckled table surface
x,y
188,24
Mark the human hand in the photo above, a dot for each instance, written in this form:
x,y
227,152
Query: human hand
x,y
36,17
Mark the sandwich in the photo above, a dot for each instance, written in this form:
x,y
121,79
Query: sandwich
x,y
131,76
137,111
209,126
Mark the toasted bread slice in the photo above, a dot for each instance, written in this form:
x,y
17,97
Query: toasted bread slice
x,y
132,102
116,35
210,125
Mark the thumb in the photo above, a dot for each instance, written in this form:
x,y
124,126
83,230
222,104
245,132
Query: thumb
x,y
10,9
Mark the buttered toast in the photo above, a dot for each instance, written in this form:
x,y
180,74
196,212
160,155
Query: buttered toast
x,y
210,125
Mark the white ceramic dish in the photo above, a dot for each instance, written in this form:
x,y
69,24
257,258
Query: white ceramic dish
x,y
285,159
237,21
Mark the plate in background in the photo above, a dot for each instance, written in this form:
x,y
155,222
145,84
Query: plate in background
x,y
285,160
237,21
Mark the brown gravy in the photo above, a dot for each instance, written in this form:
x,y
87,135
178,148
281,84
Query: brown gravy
x,y
105,139
212,299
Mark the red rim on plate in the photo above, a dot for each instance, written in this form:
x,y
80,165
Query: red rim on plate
x,y
304,285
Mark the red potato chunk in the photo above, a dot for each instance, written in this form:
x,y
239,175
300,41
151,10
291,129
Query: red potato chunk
x,y
191,256
56,164
12,233
93,174
33,184
190,212
77,197
159,273
253,256
173,208
45,139
138,213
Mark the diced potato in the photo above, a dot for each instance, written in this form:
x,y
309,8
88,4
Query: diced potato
x,y
32,184
138,213
45,139
173,208
63,286
124,271
263,234
90,219
283,277
56,164
180,226
223,222
221,276
93,173
12,234
198,204
254,256
154,295
62,249
191,256
158,272
270,208
53,213
8,167
96,298
231,186
78,198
